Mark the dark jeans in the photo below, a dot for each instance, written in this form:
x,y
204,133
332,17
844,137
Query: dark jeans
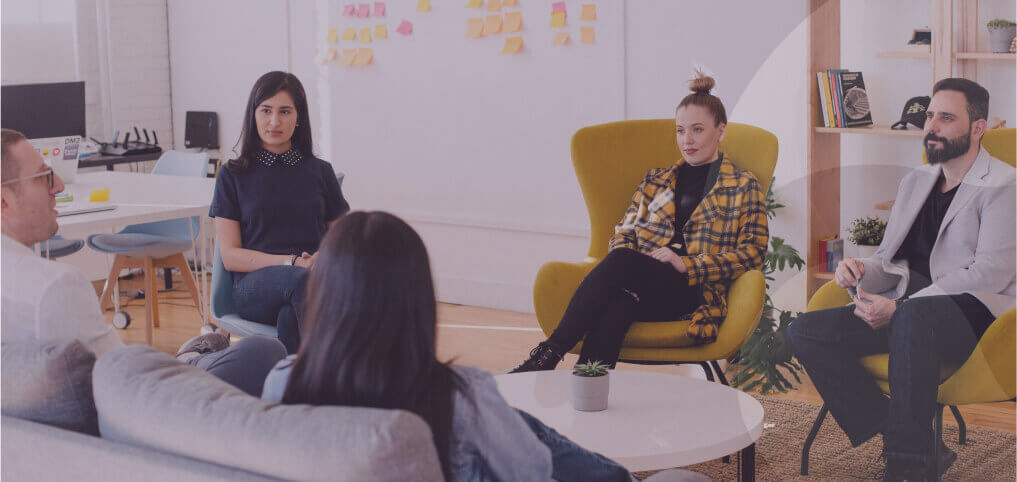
x,y
627,285
274,295
245,364
572,462
923,333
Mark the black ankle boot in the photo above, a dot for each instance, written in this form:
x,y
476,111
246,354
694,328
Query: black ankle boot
x,y
543,357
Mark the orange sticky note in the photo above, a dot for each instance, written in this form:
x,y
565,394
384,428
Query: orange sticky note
x,y
561,38
492,25
380,31
509,3
99,195
586,35
348,56
513,45
424,6
589,13
365,35
350,34
558,19
493,5
364,57
332,54
474,27
475,4
513,22
333,35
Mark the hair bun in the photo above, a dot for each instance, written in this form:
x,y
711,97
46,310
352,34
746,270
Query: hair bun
x,y
702,84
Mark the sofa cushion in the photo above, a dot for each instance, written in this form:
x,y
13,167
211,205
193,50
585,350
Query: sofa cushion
x,y
49,383
147,398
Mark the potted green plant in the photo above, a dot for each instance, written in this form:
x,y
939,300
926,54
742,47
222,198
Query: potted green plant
x,y
866,234
590,386
1001,34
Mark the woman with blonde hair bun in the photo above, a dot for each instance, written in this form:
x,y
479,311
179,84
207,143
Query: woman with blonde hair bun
x,y
691,229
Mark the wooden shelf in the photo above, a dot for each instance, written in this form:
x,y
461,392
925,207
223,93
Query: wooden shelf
x,y
825,275
905,54
985,56
878,130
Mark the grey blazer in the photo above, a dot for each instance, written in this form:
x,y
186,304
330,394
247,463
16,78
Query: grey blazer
x,y
976,249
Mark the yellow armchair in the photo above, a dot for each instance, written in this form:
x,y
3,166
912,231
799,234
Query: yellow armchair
x,y
610,160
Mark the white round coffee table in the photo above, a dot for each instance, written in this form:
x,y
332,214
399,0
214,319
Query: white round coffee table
x,y
653,420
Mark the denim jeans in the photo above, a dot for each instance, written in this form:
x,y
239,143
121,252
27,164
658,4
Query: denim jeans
x,y
274,295
572,462
923,333
245,364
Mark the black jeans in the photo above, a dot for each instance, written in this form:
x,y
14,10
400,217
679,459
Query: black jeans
x,y
923,333
627,285
274,295
245,364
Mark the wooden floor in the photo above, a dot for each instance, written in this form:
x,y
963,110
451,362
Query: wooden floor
x,y
493,340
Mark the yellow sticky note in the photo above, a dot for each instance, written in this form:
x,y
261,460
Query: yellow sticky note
x,y
509,3
493,5
513,22
348,56
365,35
586,35
558,19
492,25
380,31
513,45
589,13
424,6
99,195
474,27
561,38
350,34
364,57
475,4
333,35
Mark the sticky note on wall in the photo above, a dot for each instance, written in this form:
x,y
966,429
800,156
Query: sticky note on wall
x,y
561,38
475,4
350,34
558,19
405,27
586,35
509,3
364,57
380,31
333,35
364,11
365,35
493,5
99,195
589,13
513,45
350,9
558,7
492,25
474,27
513,22
349,55
424,6
379,9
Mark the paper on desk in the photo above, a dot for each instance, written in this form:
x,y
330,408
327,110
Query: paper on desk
x,y
99,195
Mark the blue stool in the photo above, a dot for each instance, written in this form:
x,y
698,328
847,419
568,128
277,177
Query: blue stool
x,y
151,246
222,308
58,247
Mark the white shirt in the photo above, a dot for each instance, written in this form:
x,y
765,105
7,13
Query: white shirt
x,y
47,301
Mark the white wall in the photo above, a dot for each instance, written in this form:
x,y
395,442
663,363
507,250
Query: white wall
x,y
37,41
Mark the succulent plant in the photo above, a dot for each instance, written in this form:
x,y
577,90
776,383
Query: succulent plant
x,y
590,369
999,23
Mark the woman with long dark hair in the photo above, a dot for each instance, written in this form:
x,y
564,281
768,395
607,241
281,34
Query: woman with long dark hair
x,y
272,206
371,323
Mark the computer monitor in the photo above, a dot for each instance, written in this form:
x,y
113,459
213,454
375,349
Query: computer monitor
x,y
44,110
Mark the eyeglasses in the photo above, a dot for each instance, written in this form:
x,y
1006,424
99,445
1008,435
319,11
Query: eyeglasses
x,y
48,173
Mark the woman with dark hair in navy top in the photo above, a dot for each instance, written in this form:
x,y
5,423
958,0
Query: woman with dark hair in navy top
x,y
272,206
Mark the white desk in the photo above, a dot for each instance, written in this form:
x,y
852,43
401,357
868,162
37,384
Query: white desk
x,y
653,420
143,198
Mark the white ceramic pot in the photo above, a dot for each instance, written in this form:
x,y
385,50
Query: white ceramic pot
x,y
862,251
1000,38
590,394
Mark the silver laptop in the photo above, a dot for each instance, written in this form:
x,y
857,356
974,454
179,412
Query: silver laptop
x,y
67,209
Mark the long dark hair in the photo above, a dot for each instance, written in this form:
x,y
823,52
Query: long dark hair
x,y
369,333
266,86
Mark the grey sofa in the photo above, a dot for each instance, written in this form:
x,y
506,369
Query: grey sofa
x,y
163,420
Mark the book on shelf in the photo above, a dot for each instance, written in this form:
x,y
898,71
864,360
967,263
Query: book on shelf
x,y
822,250
834,253
824,103
854,100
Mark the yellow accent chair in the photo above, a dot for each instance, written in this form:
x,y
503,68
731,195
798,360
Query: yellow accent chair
x,y
988,375
610,161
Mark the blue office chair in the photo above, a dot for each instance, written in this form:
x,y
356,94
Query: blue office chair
x,y
155,245
58,247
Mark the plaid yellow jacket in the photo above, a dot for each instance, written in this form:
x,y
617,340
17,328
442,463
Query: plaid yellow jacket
x,y
726,235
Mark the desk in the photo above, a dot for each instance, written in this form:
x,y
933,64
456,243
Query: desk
x,y
96,160
144,198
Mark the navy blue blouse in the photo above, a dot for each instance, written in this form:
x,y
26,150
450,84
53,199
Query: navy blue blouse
x,y
282,202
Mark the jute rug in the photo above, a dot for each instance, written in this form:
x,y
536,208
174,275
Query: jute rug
x,y
987,456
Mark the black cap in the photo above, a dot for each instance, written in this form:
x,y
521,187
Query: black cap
x,y
914,113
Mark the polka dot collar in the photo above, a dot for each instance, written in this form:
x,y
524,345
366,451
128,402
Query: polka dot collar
x,y
287,158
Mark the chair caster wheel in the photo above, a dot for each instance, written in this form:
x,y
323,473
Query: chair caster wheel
x,y
121,320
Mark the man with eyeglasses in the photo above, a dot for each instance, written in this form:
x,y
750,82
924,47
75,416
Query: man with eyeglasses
x,y
50,302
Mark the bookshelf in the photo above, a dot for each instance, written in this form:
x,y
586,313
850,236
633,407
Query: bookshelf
x,y
954,52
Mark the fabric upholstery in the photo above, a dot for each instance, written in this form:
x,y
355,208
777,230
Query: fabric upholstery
x,y
49,383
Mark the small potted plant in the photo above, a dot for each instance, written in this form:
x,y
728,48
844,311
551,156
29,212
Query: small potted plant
x,y
590,386
1001,34
866,234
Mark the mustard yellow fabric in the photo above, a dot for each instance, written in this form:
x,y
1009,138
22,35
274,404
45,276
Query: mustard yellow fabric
x,y
610,161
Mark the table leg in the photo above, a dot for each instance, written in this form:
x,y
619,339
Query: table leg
x,y
747,464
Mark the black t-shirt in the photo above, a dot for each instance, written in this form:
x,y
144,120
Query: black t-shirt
x,y
917,246
282,208
691,185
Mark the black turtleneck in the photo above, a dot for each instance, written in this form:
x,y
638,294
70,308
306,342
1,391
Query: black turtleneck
x,y
692,183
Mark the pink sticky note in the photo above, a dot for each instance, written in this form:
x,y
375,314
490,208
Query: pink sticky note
x,y
379,9
405,28
350,9
364,11
557,7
